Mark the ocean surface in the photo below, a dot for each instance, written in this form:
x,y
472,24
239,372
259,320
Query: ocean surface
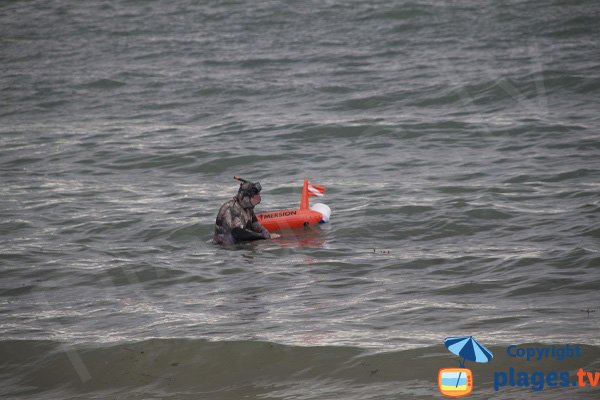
x,y
458,142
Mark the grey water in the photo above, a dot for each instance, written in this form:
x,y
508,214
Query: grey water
x,y
460,150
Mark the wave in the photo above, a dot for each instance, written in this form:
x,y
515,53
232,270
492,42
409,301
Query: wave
x,y
196,368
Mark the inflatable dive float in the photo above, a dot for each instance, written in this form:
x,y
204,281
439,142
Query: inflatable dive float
x,y
300,217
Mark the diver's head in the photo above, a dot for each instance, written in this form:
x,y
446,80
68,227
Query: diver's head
x,y
249,194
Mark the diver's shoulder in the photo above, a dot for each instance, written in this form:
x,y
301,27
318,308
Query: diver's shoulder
x,y
231,204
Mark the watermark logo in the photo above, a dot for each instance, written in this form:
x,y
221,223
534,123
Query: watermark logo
x,y
540,379
458,382
455,382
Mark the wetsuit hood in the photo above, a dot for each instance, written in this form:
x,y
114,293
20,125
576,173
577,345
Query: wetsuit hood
x,y
245,192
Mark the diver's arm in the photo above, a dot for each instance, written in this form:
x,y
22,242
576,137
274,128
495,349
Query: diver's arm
x,y
232,223
240,234
258,228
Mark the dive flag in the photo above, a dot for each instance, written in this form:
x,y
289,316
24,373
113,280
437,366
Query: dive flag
x,y
315,190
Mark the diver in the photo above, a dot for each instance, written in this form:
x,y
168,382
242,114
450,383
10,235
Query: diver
x,y
236,221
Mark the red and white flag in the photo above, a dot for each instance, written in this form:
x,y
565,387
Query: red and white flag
x,y
315,190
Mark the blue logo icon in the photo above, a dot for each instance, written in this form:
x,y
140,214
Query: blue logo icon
x,y
458,382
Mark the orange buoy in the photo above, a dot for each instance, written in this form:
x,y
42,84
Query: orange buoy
x,y
303,216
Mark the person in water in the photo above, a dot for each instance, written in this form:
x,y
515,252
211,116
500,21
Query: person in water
x,y
236,221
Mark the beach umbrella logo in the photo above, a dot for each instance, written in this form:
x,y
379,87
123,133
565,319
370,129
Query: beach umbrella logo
x,y
458,382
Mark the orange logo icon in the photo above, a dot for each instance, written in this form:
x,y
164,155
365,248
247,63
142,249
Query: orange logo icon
x,y
455,382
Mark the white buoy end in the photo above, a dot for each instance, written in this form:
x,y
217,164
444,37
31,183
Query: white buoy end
x,y
322,209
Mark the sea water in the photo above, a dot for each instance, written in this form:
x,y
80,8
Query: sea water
x,y
458,143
